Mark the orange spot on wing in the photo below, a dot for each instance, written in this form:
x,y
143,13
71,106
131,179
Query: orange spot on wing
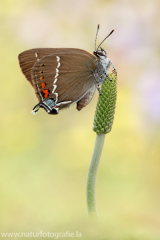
x,y
43,85
45,92
42,78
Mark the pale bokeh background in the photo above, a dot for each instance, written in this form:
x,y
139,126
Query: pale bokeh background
x,y
45,159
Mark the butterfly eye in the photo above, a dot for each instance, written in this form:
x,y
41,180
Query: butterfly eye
x,y
101,54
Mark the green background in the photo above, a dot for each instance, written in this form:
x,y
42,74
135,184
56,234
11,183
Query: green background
x,y
44,159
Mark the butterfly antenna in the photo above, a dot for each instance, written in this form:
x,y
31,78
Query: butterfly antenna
x,y
105,38
96,35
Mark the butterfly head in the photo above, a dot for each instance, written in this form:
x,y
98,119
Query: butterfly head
x,y
100,53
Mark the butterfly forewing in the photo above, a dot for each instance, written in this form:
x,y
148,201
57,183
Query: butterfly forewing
x,y
65,76
28,58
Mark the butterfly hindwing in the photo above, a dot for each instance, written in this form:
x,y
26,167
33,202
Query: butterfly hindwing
x,y
64,76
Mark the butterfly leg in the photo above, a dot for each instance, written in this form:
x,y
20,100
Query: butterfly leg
x,y
97,83
112,66
99,90
108,78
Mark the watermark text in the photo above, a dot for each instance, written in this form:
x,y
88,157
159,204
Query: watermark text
x,y
42,234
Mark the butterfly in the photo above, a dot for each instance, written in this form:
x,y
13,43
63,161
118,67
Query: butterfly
x,y
63,76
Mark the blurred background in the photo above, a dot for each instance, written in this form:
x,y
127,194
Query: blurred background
x,y
45,159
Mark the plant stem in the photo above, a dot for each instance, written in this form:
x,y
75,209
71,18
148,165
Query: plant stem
x,y
92,173
103,121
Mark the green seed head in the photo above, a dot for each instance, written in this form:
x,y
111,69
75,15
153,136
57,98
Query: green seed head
x,y
105,109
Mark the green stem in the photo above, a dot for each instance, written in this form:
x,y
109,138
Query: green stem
x,y
102,124
92,173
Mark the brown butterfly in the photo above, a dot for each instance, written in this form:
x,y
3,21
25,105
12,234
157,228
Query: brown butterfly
x,y
63,76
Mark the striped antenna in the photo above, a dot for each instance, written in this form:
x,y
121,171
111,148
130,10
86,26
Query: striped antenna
x,y
96,35
105,38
